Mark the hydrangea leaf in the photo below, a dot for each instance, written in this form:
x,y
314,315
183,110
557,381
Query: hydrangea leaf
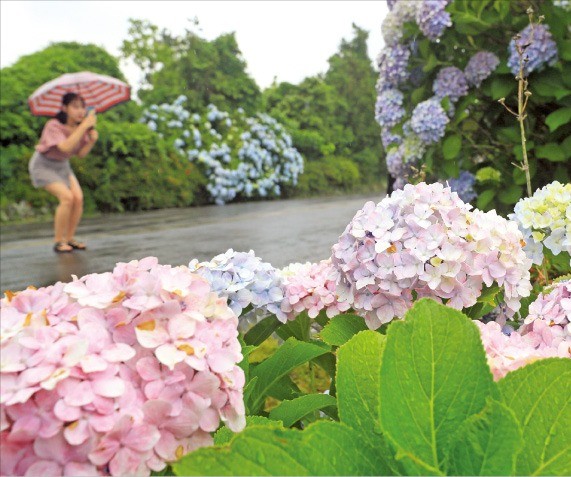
x,y
434,375
487,443
342,328
485,198
287,357
225,435
289,412
552,152
558,118
358,387
261,330
324,448
452,146
540,396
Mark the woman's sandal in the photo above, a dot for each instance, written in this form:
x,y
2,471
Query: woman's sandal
x,y
74,244
60,247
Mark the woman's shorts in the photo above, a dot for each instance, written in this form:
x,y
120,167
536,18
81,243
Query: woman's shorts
x,y
44,171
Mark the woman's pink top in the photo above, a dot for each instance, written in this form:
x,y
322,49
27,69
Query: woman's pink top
x,y
55,132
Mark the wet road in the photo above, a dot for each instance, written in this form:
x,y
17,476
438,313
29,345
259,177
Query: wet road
x,y
280,232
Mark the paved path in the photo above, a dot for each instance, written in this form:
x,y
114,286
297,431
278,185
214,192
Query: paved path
x,y
280,232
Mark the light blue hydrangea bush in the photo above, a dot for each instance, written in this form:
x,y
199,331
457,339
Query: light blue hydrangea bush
x,y
242,157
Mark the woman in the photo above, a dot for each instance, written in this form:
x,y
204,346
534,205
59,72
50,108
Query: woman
x,y
70,133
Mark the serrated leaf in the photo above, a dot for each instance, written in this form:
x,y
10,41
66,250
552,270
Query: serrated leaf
x,y
323,448
261,331
358,387
342,328
225,435
287,357
434,375
486,443
298,328
452,146
540,396
289,412
558,118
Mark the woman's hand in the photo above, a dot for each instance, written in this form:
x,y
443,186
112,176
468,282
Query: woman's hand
x,y
90,121
93,135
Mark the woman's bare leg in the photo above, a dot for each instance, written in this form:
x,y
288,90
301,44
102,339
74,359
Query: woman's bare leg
x,y
63,210
77,207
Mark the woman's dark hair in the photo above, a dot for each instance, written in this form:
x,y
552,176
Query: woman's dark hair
x,y
66,100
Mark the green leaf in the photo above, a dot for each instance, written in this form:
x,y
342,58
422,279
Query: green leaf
x,y
342,328
434,375
551,151
451,168
298,328
558,118
430,64
502,86
261,330
289,412
549,84
510,195
487,443
485,198
225,435
358,387
565,49
324,448
452,146
540,396
287,357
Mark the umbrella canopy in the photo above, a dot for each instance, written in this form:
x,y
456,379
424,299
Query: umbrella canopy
x,y
99,91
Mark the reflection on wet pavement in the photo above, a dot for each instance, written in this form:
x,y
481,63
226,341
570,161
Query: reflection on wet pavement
x,y
280,232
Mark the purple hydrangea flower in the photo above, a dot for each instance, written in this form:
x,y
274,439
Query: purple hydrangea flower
x,y
432,19
464,186
450,82
429,120
402,160
392,26
541,51
480,67
392,62
388,109
388,138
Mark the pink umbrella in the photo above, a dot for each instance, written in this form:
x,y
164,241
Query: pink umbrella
x,y
99,91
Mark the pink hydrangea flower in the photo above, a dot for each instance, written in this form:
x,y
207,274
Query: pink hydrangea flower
x,y
311,287
423,241
116,373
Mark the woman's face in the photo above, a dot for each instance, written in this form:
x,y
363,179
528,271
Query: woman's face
x,y
75,111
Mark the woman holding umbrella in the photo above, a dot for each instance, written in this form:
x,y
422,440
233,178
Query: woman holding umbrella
x,y
70,133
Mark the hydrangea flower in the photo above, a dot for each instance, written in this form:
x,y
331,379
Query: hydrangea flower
x,y
116,373
545,220
507,353
392,26
402,161
241,157
311,287
429,121
245,280
480,66
392,63
388,138
464,186
542,50
450,82
388,109
423,241
432,18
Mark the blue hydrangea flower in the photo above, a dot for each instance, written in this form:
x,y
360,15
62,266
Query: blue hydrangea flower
x,y
393,62
402,160
245,280
464,186
450,82
388,109
392,26
432,19
542,50
388,138
429,121
480,66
